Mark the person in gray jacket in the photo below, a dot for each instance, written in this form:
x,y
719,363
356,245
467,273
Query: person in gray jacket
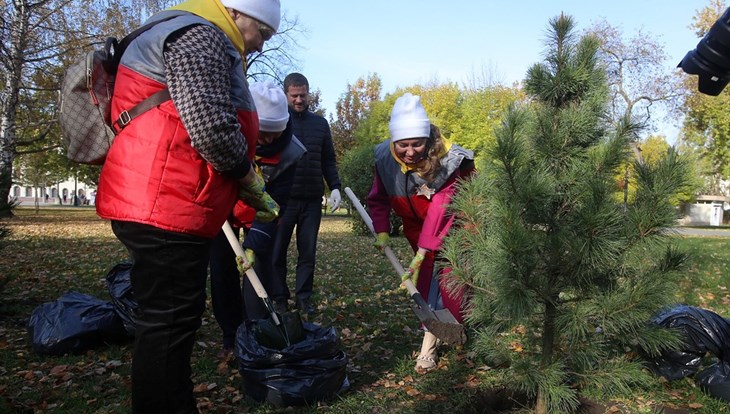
x,y
304,210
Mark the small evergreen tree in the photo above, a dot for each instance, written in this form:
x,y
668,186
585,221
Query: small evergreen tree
x,y
564,279
356,169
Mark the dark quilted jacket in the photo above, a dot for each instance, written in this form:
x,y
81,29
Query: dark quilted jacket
x,y
319,161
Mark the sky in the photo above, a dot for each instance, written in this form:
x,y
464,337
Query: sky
x,y
408,42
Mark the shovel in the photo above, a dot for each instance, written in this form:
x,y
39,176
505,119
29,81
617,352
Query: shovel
x,y
278,331
441,322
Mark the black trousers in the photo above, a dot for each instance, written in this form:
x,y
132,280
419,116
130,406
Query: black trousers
x,y
168,279
233,301
305,215
225,288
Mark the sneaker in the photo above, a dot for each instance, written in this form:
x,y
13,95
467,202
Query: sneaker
x,y
305,306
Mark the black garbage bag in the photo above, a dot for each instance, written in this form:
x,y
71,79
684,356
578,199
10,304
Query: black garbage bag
x,y
73,324
715,380
674,365
120,289
706,344
303,373
704,332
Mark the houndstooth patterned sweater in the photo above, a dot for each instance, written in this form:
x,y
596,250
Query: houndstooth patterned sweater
x,y
198,77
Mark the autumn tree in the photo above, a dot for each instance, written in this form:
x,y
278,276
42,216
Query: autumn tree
x,y
279,56
482,110
373,129
654,150
564,279
706,127
466,116
441,101
39,39
352,107
639,83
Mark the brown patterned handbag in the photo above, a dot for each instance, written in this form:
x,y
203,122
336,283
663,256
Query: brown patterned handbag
x,y
85,101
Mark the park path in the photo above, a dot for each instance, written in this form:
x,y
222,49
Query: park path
x,y
704,232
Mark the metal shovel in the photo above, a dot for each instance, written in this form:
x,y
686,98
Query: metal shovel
x,y
278,331
440,322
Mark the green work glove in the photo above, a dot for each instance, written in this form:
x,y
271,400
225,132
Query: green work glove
x,y
414,267
382,240
243,264
255,196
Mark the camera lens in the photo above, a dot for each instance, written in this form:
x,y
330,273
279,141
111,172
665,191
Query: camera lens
x,y
711,59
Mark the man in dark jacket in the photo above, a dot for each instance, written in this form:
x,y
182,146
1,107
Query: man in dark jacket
x,y
304,210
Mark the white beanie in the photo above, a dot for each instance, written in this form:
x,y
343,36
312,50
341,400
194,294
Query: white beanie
x,y
265,11
271,105
408,119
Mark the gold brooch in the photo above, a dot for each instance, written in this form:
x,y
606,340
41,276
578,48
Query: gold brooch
x,y
425,191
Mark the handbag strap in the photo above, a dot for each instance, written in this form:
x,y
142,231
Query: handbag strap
x,y
121,46
150,102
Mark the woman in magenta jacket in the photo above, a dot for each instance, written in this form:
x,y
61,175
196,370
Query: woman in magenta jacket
x,y
416,172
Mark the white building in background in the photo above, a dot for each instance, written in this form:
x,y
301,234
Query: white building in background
x,y
707,210
60,194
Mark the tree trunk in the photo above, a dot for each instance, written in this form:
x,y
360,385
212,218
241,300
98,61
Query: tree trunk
x,y
11,92
548,342
541,406
5,183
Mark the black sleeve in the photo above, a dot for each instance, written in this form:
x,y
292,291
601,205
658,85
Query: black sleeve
x,y
329,161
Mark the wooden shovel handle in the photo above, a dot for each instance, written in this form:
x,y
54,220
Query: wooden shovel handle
x,y
387,250
250,273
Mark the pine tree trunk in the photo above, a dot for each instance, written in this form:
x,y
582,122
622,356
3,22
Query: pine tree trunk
x,y
548,340
541,406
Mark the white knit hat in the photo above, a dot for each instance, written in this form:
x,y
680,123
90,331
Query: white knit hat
x,y
271,105
265,11
408,119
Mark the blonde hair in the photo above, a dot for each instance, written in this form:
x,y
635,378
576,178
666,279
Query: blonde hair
x,y
431,162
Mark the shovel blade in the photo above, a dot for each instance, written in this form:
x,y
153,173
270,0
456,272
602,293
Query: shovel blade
x,y
441,323
289,330
268,334
451,333
292,326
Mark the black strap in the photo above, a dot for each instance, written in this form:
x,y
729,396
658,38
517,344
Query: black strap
x,y
122,44
152,101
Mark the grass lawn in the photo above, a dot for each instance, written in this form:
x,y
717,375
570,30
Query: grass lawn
x,y
57,250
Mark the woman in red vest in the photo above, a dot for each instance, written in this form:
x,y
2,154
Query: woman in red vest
x,y
416,172
174,173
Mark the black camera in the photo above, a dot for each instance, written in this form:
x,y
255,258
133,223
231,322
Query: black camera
x,y
710,61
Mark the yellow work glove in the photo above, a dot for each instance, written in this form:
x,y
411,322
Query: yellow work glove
x,y
244,264
414,267
382,240
255,196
